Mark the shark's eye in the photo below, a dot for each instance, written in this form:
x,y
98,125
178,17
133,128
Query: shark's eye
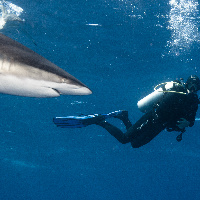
x,y
64,80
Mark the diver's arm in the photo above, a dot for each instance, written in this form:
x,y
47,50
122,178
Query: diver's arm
x,y
182,123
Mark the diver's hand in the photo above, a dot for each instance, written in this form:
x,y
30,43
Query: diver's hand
x,y
182,123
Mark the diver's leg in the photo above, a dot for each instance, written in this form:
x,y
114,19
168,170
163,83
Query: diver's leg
x,y
144,130
114,131
124,117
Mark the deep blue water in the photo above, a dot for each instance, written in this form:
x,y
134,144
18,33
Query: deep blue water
x,y
121,60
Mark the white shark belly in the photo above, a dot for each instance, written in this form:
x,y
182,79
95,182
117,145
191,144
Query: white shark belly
x,y
38,88
26,87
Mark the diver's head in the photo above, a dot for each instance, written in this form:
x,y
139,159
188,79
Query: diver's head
x,y
193,83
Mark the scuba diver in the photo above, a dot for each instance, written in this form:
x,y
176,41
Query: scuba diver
x,y
172,106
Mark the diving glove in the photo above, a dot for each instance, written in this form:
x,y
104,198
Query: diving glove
x,y
182,123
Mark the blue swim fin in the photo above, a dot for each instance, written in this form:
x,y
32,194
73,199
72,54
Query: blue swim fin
x,y
81,120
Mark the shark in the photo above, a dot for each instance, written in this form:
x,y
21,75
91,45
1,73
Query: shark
x,y
23,72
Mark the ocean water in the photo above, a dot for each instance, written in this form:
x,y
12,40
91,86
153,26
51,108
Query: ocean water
x,y
121,49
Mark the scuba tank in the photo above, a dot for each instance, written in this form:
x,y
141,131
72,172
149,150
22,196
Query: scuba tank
x,y
147,103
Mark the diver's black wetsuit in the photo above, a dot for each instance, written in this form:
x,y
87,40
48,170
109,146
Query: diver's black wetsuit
x,y
171,109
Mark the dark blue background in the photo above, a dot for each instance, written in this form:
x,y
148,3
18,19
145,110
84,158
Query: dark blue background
x,y
121,60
